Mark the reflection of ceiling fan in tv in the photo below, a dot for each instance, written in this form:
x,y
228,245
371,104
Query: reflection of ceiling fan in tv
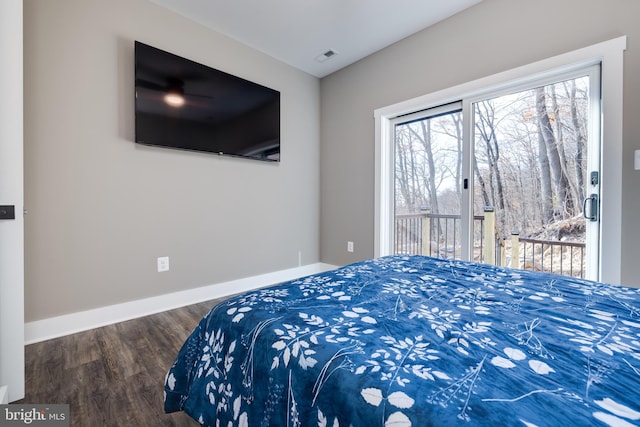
x,y
174,95
173,92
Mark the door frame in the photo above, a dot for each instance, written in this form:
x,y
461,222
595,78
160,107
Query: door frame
x,y
12,362
608,54
594,153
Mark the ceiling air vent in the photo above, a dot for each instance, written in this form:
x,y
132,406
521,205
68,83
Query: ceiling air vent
x,y
326,55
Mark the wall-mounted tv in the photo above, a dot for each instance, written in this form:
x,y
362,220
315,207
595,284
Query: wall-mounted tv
x,y
186,105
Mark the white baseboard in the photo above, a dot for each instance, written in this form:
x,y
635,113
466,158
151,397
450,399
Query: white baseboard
x,y
54,327
4,395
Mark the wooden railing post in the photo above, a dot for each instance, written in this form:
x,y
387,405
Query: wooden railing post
x,y
489,246
515,250
426,232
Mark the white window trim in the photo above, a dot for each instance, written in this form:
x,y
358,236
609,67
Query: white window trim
x,y
608,54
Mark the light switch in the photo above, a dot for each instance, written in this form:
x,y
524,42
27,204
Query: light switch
x,y
636,160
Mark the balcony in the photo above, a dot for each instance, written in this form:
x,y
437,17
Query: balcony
x,y
438,235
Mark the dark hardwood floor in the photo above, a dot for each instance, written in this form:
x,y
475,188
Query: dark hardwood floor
x,y
114,375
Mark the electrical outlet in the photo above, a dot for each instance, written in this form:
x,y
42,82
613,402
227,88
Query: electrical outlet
x,y
163,264
349,246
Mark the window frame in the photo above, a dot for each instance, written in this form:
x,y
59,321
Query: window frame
x,y
608,55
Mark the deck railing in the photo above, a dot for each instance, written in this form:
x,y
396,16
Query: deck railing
x,y
438,235
567,258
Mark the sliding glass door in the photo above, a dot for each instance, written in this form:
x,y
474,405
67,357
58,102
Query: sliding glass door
x,y
529,157
428,182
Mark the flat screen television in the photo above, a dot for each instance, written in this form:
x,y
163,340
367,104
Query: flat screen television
x,y
182,104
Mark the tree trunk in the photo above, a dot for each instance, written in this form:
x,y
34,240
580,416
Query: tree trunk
x,y
402,173
486,127
549,141
545,179
425,126
481,183
567,181
581,141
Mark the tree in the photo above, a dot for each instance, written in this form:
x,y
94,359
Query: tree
x,y
528,157
581,141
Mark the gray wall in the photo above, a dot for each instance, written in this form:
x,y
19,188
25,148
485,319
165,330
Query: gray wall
x,y
101,209
491,37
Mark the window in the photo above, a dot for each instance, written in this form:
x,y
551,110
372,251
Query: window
x,y
418,114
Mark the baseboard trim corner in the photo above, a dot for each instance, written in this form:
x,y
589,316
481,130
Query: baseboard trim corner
x,y
55,327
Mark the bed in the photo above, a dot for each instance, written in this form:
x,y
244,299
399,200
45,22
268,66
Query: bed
x,y
415,341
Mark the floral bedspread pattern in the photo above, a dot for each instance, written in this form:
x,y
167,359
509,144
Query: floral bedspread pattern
x,y
415,341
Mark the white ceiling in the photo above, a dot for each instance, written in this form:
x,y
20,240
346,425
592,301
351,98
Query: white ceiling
x,y
298,31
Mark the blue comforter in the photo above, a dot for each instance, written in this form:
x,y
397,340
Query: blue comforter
x,y
415,341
